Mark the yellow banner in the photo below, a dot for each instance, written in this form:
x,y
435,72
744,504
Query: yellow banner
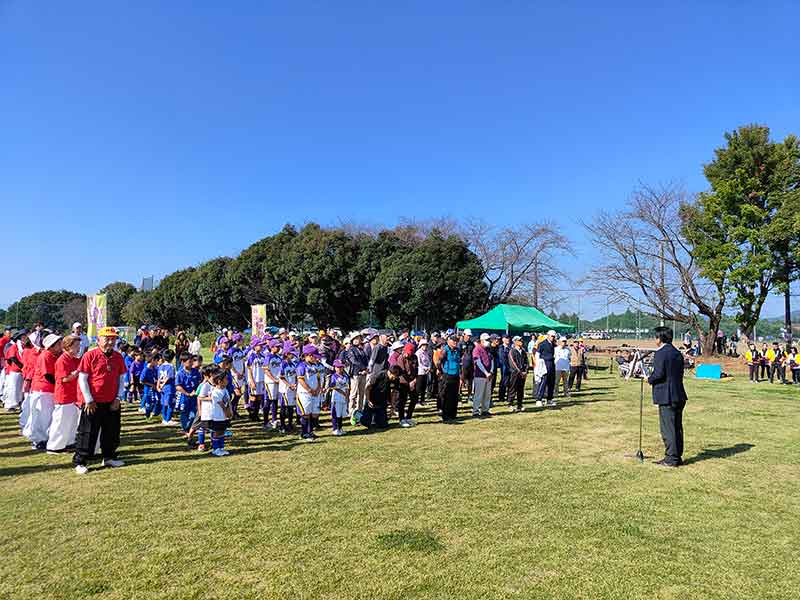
x,y
96,314
258,319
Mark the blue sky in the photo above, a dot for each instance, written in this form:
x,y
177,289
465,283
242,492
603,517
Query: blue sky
x,y
138,138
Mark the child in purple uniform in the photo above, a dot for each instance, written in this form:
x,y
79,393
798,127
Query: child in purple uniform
x,y
272,374
339,388
287,388
255,378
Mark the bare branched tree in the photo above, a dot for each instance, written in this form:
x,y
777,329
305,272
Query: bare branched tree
x,y
644,258
518,261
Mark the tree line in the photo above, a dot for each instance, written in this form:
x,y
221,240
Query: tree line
x,y
423,275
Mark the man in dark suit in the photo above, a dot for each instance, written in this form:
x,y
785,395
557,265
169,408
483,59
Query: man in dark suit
x,y
669,395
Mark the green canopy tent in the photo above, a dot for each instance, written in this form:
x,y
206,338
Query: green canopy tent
x,y
513,318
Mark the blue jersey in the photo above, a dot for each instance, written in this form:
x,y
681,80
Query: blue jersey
x,y
166,375
188,380
149,375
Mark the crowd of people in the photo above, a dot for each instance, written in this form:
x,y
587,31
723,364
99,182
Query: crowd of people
x,y
773,362
69,397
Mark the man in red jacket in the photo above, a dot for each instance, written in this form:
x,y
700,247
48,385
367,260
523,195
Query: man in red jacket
x,y
101,382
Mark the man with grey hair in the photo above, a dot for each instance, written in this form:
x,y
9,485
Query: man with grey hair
x,y
101,381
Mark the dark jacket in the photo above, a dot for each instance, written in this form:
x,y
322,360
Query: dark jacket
x,y
667,377
546,351
502,358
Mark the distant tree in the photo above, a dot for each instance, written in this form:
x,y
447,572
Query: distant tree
x,y
74,311
263,274
731,226
213,296
46,306
117,295
138,309
167,304
432,285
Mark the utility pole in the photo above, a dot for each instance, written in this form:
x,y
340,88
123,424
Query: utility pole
x,y
663,290
608,331
536,282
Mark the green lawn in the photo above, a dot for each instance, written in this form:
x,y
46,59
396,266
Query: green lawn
x,y
542,504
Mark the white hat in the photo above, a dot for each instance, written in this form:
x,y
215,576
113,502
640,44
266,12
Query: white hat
x,y
563,338
281,330
422,342
484,337
467,332
76,324
396,345
50,340
551,332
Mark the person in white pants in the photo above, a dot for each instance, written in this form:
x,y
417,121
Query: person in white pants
x,y
42,392
64,424
482,383
12,390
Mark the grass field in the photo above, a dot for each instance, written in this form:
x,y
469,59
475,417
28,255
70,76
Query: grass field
x,y
542,504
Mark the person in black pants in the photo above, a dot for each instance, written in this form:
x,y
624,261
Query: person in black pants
x,y
503,368
669,395
546,352
517,373
450,379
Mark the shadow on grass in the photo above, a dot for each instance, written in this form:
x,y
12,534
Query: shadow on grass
x,y
414,540
709,453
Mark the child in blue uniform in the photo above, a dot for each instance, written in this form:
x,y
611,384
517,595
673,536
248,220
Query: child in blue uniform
x,y
186,382
149,381
339,388
134,377
166,385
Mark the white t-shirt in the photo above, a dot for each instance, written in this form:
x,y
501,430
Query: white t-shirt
x,y
562,358
206,408
220,398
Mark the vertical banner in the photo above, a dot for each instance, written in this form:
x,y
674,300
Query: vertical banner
x,y
96,314
258,319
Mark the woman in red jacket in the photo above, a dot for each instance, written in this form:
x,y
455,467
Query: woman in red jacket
x,y
66,411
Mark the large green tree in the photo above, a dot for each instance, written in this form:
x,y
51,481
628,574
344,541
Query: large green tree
x,y
117,295
138,309
732,226
213,296
433,284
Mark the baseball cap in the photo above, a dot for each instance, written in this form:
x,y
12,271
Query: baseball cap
x,y
76,324
515,338
484,336
106,332
50,340
467,332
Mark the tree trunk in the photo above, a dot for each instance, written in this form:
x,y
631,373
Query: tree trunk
x,y
787,312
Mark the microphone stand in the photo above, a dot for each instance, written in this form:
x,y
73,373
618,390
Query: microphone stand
x,y
638,360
